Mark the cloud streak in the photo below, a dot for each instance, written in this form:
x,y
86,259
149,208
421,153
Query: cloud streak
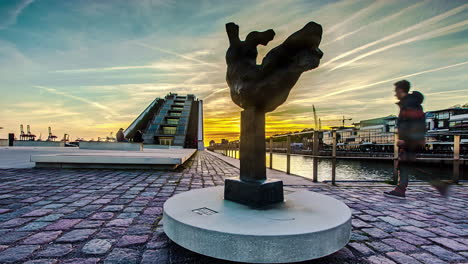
x,y
393,79
11,17
214,65
74,97
417,26
436,33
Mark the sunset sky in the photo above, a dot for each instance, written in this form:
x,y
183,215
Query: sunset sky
x,y
89,67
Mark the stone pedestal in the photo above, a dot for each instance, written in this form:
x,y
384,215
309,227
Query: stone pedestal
x,y
253,188
253,193
305,226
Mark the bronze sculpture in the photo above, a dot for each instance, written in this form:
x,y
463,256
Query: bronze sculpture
x,y
259,89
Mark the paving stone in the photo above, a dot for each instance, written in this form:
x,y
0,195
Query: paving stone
x,y
54,206
102,216
90,224
375,232
418,231
384,226
410,238
155,256
77,235
125,222
4,210
50,218
357,223
380,247
450,243
97,246
42,261
16,254
38,212
361,248
122,256
132,240
12,237
379,260
14,222
111,232
113,208
78,215
63,224
392,221
427,258
456,230
133,209
34,226
128,215
443,253
42,238
402,258
400,245
56,250
32,199
153,211
139,230
102,201
81,261
440,232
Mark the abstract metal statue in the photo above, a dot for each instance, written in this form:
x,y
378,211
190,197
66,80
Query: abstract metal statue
x,y
259,89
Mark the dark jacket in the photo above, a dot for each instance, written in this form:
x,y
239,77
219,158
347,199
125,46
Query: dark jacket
x,y
138,137
120,136
411,119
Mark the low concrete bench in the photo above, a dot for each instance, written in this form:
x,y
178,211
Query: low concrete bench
x,y
161,159
127,146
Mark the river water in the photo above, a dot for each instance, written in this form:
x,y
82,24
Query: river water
x,y
352,170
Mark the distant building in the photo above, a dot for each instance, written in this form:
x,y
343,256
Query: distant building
x,y
450,120
176,120
377,130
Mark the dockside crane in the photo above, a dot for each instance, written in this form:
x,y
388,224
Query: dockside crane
x,y
318,122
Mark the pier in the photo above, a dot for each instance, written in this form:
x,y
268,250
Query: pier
x,y
94,216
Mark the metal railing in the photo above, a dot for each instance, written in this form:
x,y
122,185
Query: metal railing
x,y
232,150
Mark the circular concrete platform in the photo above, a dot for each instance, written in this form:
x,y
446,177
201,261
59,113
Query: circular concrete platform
x,y
306,226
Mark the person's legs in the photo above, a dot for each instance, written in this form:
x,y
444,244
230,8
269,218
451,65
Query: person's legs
x,y
406,164
403,169
433,179
403,175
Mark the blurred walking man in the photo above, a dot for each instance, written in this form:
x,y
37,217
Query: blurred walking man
x,y
411,125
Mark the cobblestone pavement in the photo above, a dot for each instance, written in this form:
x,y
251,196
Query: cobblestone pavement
x,y
113,216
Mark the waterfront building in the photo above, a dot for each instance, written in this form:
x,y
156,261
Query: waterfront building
x,y
375,134
452,120
377,131
175,120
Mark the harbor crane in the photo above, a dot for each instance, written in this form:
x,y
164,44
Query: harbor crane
x,y
51,137
318,122
331,120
